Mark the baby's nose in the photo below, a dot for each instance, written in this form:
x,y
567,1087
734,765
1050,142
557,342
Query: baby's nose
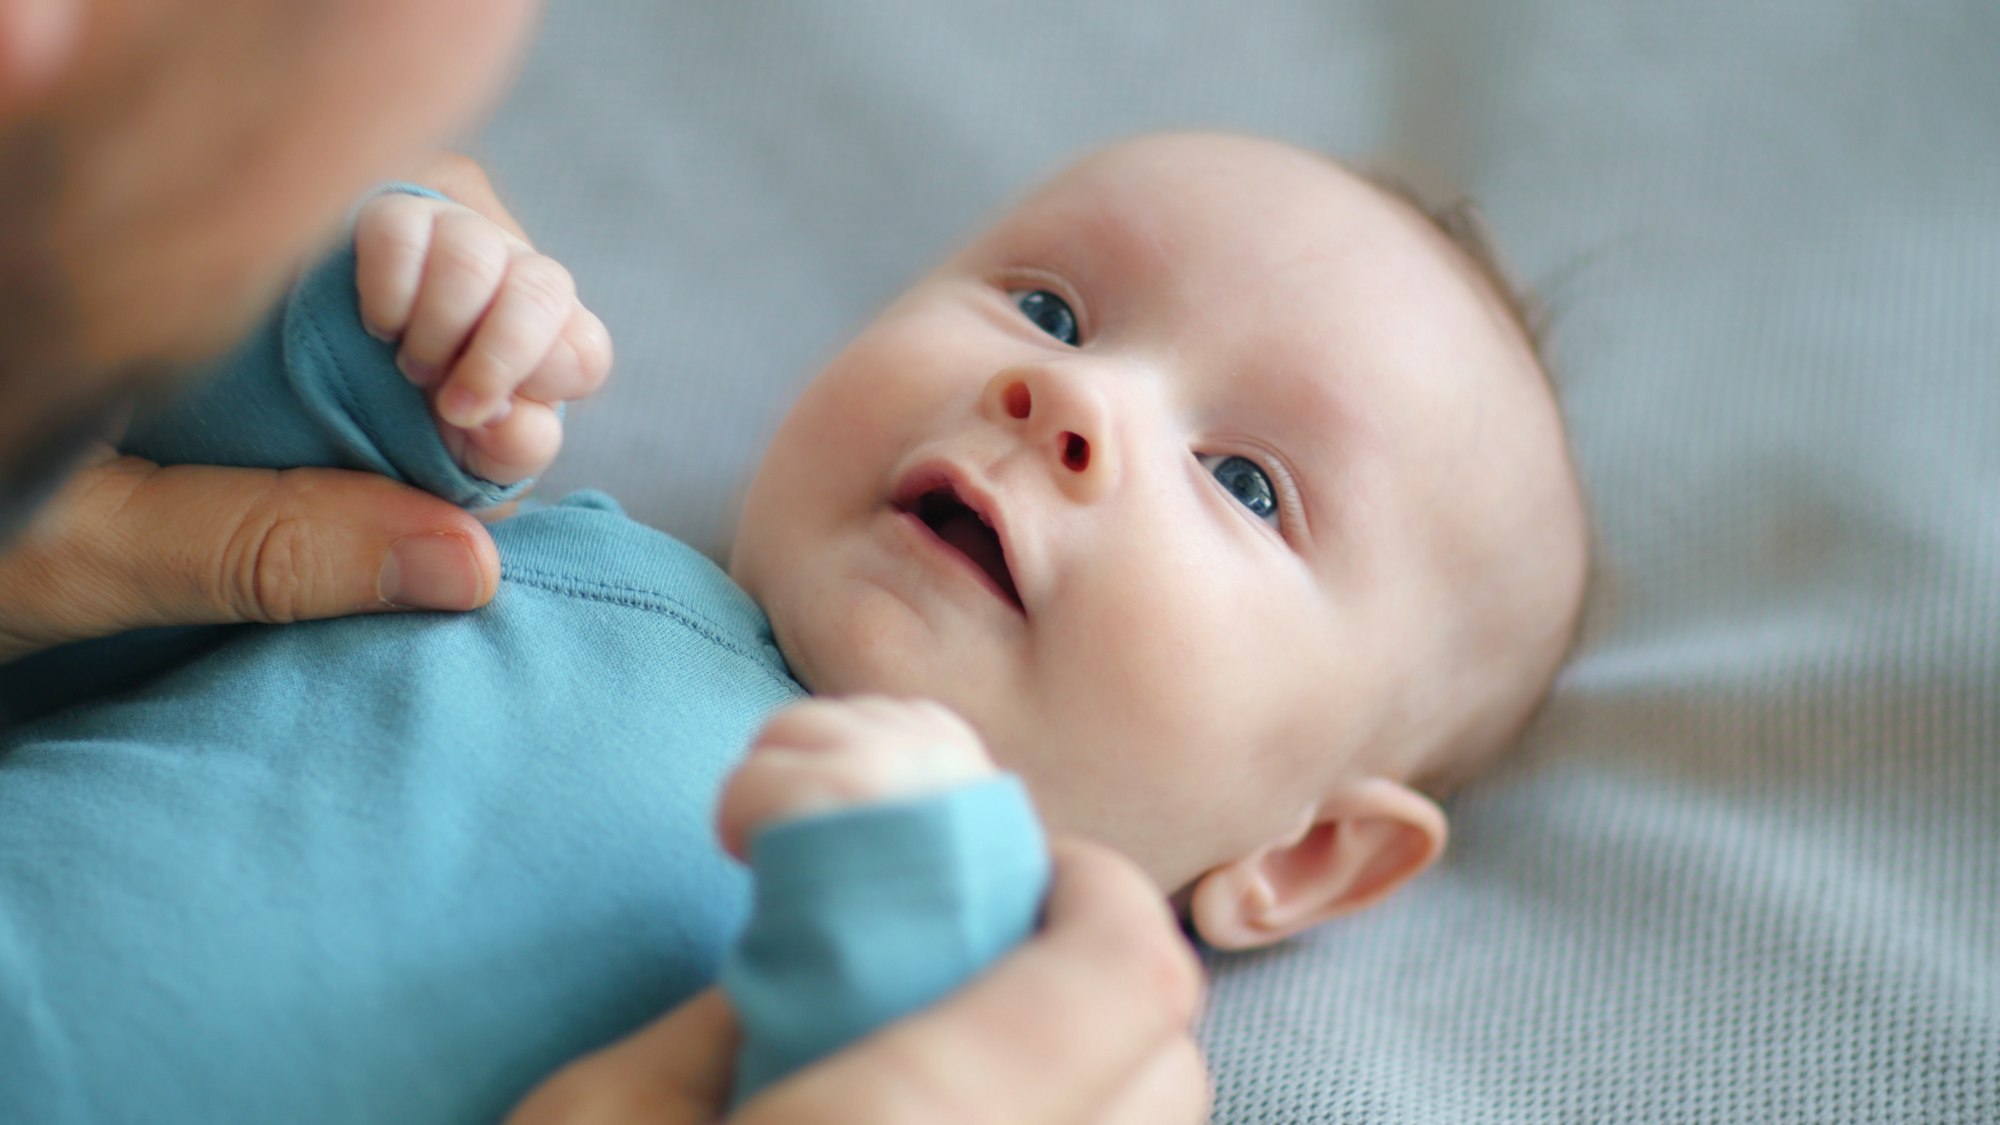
x,y
1060,414
1018,399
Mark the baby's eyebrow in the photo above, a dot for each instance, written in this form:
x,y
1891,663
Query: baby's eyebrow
x,y
1123,234
1307,421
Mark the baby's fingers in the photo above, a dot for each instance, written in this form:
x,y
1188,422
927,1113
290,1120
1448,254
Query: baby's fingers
x,y
392,235
469,260
521,327
577,364
511,450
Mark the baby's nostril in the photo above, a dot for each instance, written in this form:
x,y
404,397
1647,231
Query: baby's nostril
x,y
1017,401
1076,452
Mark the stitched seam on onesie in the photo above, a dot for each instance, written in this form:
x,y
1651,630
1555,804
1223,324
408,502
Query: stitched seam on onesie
x,y
630,597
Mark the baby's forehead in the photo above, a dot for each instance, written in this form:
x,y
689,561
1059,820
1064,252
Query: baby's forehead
x,y
1174,192
1189,180
1182,210
1298,255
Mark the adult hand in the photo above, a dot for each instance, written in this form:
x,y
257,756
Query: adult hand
x,y
1087,1023
127,544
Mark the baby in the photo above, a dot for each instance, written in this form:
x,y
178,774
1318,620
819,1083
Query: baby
x,y
1215,488
1220,492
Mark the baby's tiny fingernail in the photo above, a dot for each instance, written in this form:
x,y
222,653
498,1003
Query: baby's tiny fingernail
x,y
422,374
377,333
461,407
434,571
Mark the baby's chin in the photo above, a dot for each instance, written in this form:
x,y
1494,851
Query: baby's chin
x,y
870,643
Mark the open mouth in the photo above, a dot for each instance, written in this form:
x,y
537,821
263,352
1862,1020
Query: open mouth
x,y
964,529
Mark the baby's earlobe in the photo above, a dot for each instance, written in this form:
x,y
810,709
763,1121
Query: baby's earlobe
x,y
1229,906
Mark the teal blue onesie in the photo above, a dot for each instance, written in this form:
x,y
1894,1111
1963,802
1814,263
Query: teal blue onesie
x,y
400,868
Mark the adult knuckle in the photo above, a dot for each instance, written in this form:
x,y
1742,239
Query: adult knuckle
x,y
272,591
271,572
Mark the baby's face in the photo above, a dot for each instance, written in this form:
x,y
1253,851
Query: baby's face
x,y
1159,483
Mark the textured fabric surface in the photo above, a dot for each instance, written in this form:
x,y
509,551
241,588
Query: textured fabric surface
x,y
1745,869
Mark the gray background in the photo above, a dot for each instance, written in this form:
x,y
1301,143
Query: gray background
x,y
1745,867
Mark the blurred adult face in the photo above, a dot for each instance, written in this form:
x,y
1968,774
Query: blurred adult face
x,y
184,160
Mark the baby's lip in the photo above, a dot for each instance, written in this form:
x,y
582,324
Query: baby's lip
x,y
938,484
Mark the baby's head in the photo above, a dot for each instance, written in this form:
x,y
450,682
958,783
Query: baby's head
x,y
1220,491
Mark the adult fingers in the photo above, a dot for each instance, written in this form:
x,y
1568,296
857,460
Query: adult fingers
x,y
1056,1033
128,544
675,1071
1172,1089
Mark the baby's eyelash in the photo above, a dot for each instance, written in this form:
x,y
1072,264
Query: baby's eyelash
x,y
1019,278
1288,515
1291,506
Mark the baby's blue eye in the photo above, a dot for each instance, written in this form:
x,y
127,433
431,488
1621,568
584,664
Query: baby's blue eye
x,y
1050,313
1247,482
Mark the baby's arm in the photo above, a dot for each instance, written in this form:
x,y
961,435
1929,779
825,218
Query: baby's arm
x,y
892,863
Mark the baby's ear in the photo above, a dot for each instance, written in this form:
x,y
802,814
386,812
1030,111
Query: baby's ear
x,y
1365,840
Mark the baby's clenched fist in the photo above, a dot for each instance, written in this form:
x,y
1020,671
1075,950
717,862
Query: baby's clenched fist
x,y
491,330
829,754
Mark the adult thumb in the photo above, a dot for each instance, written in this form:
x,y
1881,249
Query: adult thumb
x,y
128,544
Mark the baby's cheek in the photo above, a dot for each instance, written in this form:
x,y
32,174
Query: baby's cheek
x,y
1155,715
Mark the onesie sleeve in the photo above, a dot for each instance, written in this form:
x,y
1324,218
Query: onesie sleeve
x,y
862,916
312,388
